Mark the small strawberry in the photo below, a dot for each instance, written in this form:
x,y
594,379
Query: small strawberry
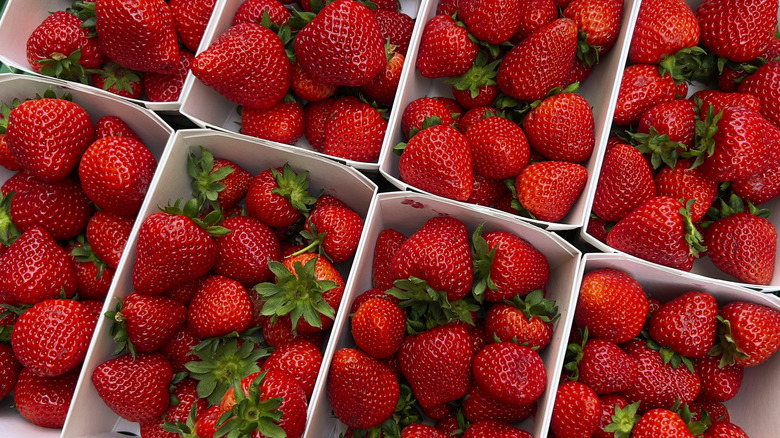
x,y
334,229
549,189
747,335
354,131
478,406
316,115
682,182
604,367
561,128
244,253
93,276
279,197
576,412
445,48
300,358
609,404
113,126
252,11
396,28
9,371
107,234
306,87
528,321
487,191
218,177
510,373
686,324
473,115
718,384
178,349
383,87
282,122
490,21
763,85
499,148
420,109
661,422
419,430
220,306
378,327
279,332
626,180
143,323
598,24
738,31
534,14
44,401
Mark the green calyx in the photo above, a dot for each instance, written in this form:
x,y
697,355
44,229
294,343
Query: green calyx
x,y
8,231
119,77
670,357
224,361
483,262
5,112
119,329
428,122
725,346
294,187
588,54
430,307
662,150
297,294
85,11
623,421
66,67
733,206
405,414
574,353
184,429
82,252
193,210
480,74
693,237
205,180
704,139
249,414
535,305
696,428
690,64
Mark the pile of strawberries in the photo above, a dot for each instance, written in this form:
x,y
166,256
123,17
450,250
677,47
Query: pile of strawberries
x,y
65,217
247,255
648,368
683,175
451,330
522,62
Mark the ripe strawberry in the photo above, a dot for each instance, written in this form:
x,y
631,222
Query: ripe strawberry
x,y
605,368
576,412
494,429
119,80
682,182
478,406
301,358
220,306
549,189
316,115
534,14
611,304
188,403
739,31
743,245
439,254
718,384
626,181
382,88
609,404
172,249
48,147
445,49
113,126
499,148
642,88
540,62
136,389
561,128
753,336
724,430
277,333
763,85
661,422
279,197
528,321
419,430
438,160
720,100
145,323
378,327
251,11
600,23
9,371
247,65
491,22
306,87
354,131
487,191
342,45
387,244
116,172
190,19
336,230
717,411
93,276
675,118
660,231
510,373
44,401
758,188
362,391
107,234
243,254
420,109
34,268
686,324
60,47
662,29
396,28
283,122
168,88
178,349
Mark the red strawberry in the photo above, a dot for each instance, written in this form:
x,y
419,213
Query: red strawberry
x,y
658,230
220,306
354,131
661,422
419,430
499,148
279,197
277,333
107,234
9,371
718,384
93,276
753,335
395,27
420,109
168,88
534,14
528,321
342,45
609,403
720,100
60,42
600,22
737,31
685,183
445,49
438,160
717,411
336,229
44,401
243,254
316,115
763,85
487,191
686,324
473,115
34,268
540,62
282,122
478,406
247,65
642,88
178,349
387,244
663,27
549,189
758,188
510,373
490,21
362,391
135,389
145,323
605,368
382,88
724,430
251,11
301,358
187,395
116,172
119,80
113,126
612,305
626,181
306,86
494,429
743,245
378,327
561,128
190,19
675,118
48,147
576,412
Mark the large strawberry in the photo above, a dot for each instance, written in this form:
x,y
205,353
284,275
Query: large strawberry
x,y
245,252
540,62
599,25
748,333
642,88
145,323
445,48
626,180
190,18
763,84
247,64
342,45
493,22
576,412
718,384
561,128
45,401
662,28
499,148
737,30
138,35
510,373
46,146
686,324
422,108
354,131
549,189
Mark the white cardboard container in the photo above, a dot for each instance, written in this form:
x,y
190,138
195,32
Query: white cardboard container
x,y
407,212
752,408
89,416
208,109
600,90
152,130
702,266
19,20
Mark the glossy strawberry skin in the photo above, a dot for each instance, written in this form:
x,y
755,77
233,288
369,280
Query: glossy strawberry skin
x,y
685,183
283,122
518,268
759,188
168,88
220,306
743,245
510,373
45,401
492,428
549,189
608,405
576,412
600,21
107,234
753,328
479,406
61,32
686,324
506,323
642,88
151,321
387,244
445,49
190,19
626,180
271,208
9,371
492,22
383,87
605,368
252,11
499,148
763,85
737,31
323,270
675,118
354,131
244,253
561,128
300,358
718,384
661,422
113,126
378,327
663,28
421,108
395,27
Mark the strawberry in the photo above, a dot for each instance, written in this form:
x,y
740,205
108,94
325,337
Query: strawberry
x,y
145,323
369,294
737,31
626,181
113,126
763,85
189,403
438,160
534,14
301,358
279,332
660,231
354,131
218,177
611,304
140,37
475,114
439,254
136,389
540,62
661,422
675,118
342,45
724,430
759,188
44,401
419,430
642,88
316,115
306,87
499,148
382,88
720,100
190,19
243,254
178,349
528,321
682,182
378,327
168,88
662,29
48,147
492,428
490,21
549,189
396,28
686,324
247,65
437,364
609,403
718,384
604,367
251,11
487,191
717,411
107,234
420,109
220,306
172,249
362,391
445,48
478,406
282,122
510,373
116,172
561,128
34,268
93,276
60,47
743,245
387,244
599,22
747,335
9,371
119,80
576,412
279,197
336,230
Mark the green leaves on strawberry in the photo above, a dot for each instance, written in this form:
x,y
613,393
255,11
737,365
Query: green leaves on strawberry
x,y
205,178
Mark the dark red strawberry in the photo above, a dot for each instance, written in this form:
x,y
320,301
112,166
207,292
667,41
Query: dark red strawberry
x,y
395,27
279,197
252,11
243,254
220,306
387,244
113,126
9,371
686,324
144,323
561,128
748,336
107,234
336,230
316,116
534,14
499,148
282,122
642,88
383,87
528,321
301,358
354,131
93,276
758,188
168,88
178,349
478,406
743,245
487,191
718,384
119,80
492,428
599,22
662,29
576,412
675,118
507,266
491,22
763,85
605,368
626,180
661,422
682,182
378,327
306,87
